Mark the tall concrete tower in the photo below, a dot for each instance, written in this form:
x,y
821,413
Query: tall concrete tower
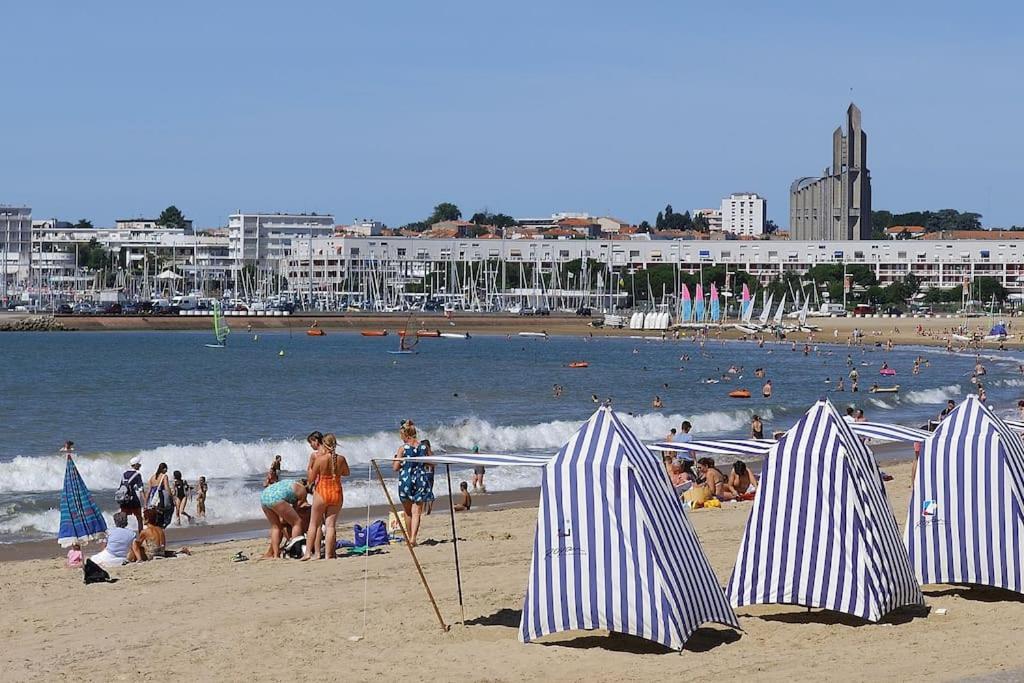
x,y
837,205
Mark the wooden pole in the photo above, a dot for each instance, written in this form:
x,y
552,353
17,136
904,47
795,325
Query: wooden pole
x,y
455,542
405,533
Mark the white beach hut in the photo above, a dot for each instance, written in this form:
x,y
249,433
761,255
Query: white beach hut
x,y
614,548
821,532
966,518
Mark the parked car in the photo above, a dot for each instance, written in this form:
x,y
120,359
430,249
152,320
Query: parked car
x,y
84,308
111,309
65,309
583,312
527,310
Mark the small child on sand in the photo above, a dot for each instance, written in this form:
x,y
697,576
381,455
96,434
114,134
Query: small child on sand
x,y
75,559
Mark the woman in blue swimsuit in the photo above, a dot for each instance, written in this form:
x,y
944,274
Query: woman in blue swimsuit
x,y
414,486
278,501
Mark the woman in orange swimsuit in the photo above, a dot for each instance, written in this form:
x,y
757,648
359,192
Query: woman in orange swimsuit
x,y
326,471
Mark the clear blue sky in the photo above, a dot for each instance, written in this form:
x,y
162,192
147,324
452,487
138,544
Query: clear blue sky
x,y
383,109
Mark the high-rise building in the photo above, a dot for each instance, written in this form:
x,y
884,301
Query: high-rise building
x,y
837,205
262,238
15,245
743,213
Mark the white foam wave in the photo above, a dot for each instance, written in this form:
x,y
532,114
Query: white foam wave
x,y
230,460
232,501
879,403
933,396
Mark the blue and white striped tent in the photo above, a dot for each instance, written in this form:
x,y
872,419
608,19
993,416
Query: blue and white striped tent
x,y
614,548
821,532
966,518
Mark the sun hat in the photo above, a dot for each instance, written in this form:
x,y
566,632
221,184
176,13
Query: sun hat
x,y
135,461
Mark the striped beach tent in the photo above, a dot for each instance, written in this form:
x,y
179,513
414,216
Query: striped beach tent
x,y
614,548
821,532
966,518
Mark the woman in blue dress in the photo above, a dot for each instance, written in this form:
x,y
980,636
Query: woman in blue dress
x,y
414,485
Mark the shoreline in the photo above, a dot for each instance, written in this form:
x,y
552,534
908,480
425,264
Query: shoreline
x,y
887,455
901,331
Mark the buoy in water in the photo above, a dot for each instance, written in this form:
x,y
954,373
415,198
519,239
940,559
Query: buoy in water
x,y
281,352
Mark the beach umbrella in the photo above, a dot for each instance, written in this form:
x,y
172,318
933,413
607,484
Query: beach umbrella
x,y
821,532
80,519
965,522
614,548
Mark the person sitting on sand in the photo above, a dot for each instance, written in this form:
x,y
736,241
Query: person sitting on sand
x,y
151,543
465,501
680,477
278,502
325,477
715,481
119,543
742,479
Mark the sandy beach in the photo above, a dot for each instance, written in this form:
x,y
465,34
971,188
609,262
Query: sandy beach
x,y
935,330
208,618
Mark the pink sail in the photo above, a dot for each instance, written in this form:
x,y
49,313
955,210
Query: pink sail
x,y
687,306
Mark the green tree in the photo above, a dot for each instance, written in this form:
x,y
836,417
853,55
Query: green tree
x,y
172,217
700,224
498,220
987,288
659,221
644,227
92,255
445,211
770,227
912,283
83,224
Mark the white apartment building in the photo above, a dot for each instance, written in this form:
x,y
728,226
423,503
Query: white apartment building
x,y
363,227
15,244
941,264
266,238
712,216
743,213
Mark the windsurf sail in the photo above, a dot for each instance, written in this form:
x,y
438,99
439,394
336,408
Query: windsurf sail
x,y
767,310
220,325
746,305
687,304
715,310
803,314
778,311
698,304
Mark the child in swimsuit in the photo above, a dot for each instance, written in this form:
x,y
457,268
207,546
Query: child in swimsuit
x,y
201,498
326,471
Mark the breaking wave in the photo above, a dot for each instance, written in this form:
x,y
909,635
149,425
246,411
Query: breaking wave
x,y
933,396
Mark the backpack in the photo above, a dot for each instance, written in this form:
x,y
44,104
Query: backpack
x,y
95,574
125,496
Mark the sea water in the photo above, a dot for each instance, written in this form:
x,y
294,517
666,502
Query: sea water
x,y
225,413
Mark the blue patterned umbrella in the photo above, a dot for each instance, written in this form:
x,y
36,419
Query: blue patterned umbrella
x,y
80,520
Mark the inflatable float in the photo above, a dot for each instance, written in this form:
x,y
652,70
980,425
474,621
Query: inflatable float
x,y
739,393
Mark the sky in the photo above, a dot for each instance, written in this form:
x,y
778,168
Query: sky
x,y
384,109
